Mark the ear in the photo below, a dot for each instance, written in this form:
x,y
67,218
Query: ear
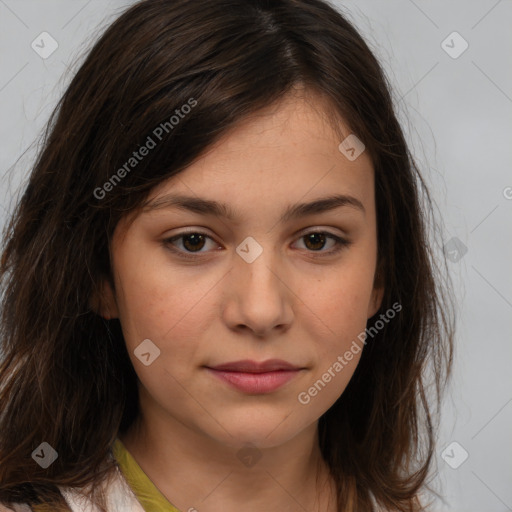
x,y
378,291
103,301
375,301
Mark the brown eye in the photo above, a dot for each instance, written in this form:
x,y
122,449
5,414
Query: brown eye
x,y
193,242
316,241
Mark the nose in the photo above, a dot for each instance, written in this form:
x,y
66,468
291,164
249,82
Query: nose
x,y
259,298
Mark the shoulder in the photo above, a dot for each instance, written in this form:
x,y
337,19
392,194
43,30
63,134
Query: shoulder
x,y
25,507
119,495
15,507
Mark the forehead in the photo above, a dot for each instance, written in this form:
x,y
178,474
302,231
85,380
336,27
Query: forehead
x,y
290,146
279,156
301,121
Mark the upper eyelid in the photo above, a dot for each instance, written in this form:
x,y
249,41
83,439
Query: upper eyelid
x,y
300,233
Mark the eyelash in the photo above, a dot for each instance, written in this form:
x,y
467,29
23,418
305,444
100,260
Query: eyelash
x,y
341,243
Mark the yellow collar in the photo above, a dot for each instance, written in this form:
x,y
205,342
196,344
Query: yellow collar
x,y
151,499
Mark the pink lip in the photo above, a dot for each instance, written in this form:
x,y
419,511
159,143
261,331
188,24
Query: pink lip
x,y
262,382
249,366
253,377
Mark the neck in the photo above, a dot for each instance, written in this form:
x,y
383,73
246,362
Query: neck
x,y
194,471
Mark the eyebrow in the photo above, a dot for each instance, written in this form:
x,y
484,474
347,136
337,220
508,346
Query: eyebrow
x,y
204,206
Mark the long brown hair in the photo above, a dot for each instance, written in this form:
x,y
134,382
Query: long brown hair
x,y
65,375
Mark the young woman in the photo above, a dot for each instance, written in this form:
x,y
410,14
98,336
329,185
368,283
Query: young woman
x,y
219,292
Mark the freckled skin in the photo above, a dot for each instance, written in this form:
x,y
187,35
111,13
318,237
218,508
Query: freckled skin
x,y
286,304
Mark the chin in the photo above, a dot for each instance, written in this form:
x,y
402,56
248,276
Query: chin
x,y
265,431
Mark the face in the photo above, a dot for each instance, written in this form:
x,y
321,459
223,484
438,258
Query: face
x,y
195,289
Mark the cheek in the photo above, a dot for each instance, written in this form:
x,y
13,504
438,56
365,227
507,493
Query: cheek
x,y
169,308
340,307
329,380
340,299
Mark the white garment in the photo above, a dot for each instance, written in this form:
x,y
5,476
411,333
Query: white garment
x,y
120,498
18,507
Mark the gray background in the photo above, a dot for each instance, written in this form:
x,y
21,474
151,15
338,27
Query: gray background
x,y
457,116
